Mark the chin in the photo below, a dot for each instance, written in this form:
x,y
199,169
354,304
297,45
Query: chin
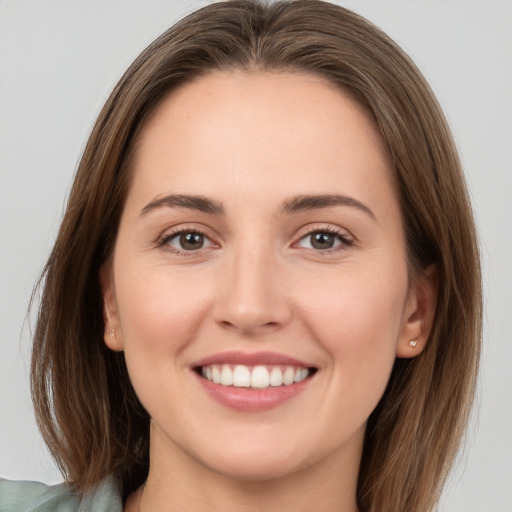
x,y
263,467
259,458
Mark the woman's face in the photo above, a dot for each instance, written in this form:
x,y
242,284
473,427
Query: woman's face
x,y
261,241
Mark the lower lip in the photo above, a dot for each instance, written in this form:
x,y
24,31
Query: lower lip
x,y
250,399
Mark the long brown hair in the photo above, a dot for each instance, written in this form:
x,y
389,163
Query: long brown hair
x,y
87,410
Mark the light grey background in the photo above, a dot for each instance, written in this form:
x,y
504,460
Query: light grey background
x,y
59,60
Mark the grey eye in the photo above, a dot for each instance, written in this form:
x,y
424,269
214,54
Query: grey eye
x,y
320,240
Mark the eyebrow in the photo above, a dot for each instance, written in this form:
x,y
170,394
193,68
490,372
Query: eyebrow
x,y
294,205
199,203
313,202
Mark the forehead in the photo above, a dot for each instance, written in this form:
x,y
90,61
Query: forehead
x,y
269,129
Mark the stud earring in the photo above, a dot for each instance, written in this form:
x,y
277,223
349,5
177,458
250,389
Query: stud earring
x,y
112,333
413,343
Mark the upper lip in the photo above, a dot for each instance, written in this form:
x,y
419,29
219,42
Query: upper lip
x,y
251,359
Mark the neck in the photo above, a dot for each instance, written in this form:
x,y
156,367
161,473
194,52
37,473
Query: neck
x,y
178,481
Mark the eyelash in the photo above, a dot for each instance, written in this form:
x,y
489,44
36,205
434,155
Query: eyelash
x,y
164,241
341,235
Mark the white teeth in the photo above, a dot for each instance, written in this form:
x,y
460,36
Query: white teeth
x,y
276,377
226,377
259,377
241,377
300,374
288,376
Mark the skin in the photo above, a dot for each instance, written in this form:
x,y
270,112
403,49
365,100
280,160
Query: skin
x,y
250,142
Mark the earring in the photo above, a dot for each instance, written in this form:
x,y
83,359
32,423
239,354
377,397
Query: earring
x,y
413,343
112,333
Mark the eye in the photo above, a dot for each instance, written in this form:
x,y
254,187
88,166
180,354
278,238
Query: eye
x,y
323,240
187,241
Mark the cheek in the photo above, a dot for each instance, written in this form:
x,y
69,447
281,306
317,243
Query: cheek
x,y
160,311
356,305
357,317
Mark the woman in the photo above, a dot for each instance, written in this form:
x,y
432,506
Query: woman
x,y
266,288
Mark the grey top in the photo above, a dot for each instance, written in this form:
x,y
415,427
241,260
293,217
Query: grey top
x,y
19,496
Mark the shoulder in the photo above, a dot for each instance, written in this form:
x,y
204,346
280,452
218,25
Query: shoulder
x,y
19,496
33,496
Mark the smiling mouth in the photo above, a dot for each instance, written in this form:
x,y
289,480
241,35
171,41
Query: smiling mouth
x,y
254,377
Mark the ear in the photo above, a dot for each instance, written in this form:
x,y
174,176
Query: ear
x,y
112,334
419,314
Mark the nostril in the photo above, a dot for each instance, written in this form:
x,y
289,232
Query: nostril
x,y
247,325
249,305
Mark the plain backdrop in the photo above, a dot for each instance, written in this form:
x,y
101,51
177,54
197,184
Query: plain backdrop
x,y
58,62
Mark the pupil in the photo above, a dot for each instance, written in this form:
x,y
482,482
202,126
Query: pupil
x,y
191,241
322,240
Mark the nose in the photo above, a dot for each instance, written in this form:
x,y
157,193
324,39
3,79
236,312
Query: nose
x,y
252,298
